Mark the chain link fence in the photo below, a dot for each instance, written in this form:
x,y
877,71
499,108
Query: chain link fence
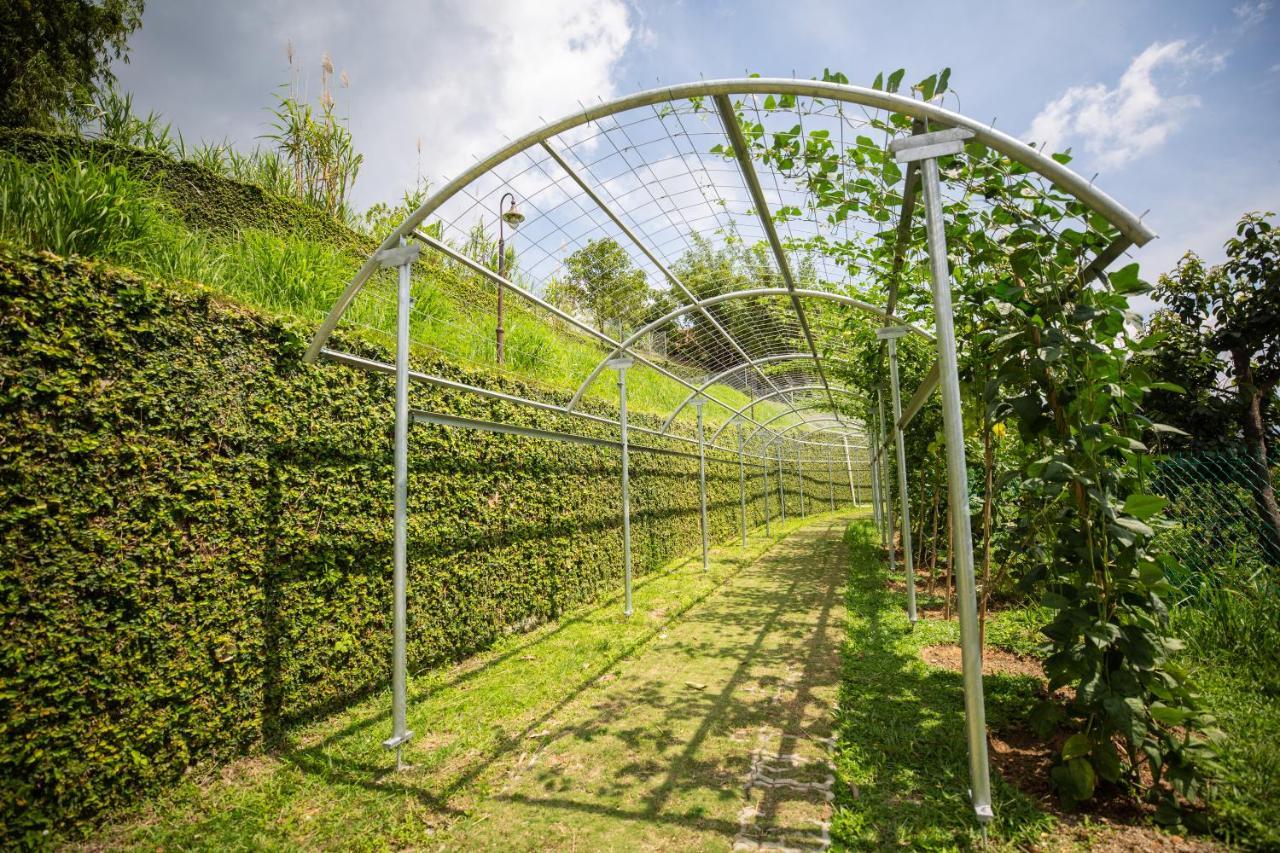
x,y
1213,503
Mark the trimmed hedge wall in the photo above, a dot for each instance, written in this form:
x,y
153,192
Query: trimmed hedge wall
x,y
195,532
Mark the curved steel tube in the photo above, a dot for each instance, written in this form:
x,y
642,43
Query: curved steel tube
x,y
752,293
1063,178
834,389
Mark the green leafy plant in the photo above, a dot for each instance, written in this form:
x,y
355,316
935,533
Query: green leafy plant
x,y
1047,350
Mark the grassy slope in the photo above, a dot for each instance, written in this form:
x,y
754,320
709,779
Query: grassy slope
x,y
287,258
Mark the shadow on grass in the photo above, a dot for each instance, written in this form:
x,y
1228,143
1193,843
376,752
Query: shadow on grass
x,y
782,625
343,759
902,759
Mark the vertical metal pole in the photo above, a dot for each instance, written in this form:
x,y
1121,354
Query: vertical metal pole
x,y
958,494
831,483
702,481
742,491
886,486
782,489
621,365
875,484
902,482
764,463
399,592
800,468
848,466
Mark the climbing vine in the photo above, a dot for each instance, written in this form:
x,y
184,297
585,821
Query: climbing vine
x,y
1046,350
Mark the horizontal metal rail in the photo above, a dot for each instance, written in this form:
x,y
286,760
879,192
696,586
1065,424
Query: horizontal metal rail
x,y
375,366
437,419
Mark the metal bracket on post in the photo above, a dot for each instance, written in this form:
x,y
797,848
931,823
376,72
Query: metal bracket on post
x,y
401,256
891,335
698,403
621,365
925,148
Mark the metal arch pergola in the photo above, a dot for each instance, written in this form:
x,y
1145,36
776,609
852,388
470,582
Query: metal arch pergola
x,y
655,172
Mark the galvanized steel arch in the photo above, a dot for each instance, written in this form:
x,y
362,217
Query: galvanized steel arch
x,y
1129,225
753,293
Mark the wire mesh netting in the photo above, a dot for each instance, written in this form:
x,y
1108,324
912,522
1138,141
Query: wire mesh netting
x,y
697,234
1213,502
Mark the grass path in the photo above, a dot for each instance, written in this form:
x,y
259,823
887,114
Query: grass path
x,y
703,720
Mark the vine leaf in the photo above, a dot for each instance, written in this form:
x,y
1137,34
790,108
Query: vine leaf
x,y
1144,506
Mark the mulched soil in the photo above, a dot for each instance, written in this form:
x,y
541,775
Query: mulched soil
x,y
994,661
1115,821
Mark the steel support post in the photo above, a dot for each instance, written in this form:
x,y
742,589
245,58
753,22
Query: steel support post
x,y
886,486
742,491
403,258
957,477
800,469
900,445
875,487
702,482
782,489
621,365
831,483
848,466
765,466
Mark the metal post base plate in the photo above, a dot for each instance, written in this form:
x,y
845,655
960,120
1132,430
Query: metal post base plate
x,y
398,741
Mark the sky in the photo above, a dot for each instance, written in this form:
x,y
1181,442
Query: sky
x,y
1174,106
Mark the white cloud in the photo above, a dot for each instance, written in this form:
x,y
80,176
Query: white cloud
x,y
1133,118
1250,14
487,72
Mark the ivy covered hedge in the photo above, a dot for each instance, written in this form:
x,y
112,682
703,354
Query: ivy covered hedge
x,y
195,536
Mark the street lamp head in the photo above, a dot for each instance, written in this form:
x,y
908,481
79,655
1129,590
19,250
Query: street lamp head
x,y
513,216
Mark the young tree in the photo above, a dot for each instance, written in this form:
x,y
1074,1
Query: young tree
x,y
1205,408
602,282
54,54
1235,309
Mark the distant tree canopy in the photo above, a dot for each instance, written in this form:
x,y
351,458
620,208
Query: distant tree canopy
x,y
1234,308
54,54
762,326
1206,409
602,282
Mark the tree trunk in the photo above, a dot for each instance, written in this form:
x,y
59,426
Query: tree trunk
x,y
951,574
923,521
1264,493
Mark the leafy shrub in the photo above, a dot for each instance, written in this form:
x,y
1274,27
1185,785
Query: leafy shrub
x,y
195,536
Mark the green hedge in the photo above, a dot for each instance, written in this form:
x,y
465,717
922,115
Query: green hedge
x,y
195,532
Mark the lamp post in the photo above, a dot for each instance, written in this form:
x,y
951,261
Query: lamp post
x,y
513,217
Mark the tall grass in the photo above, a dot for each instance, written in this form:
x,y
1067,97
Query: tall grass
x,y
1230,613
97,209
77,207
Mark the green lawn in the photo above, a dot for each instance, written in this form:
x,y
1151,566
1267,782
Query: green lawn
x,y
596,727
791,657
